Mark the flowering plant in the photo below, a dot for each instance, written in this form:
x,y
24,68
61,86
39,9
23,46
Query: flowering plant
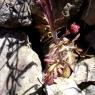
x,y
61,59
63,53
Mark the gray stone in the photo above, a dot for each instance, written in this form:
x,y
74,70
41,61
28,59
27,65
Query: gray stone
x,y
90,90
15,12
20,66
80,73
84,76
63,86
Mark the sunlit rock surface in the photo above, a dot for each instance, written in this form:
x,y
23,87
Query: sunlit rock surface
x,y
63,86
86,76
20,66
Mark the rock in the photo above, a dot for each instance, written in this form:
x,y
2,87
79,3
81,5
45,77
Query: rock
x,y
91,68
80,73
33,76
20,66
90,90
63,86
84,76
15,12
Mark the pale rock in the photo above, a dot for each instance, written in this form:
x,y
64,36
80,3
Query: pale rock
x,y
80,73
20,66
90,90
63,86
84,74
33,76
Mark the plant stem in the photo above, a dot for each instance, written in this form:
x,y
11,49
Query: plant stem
x,y
55,37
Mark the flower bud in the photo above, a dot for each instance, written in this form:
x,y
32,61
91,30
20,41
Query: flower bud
x,y
74,28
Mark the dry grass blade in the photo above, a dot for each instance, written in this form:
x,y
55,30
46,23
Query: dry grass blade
x,y
78,35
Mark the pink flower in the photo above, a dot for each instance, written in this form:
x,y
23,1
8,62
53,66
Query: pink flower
x,y
74,28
